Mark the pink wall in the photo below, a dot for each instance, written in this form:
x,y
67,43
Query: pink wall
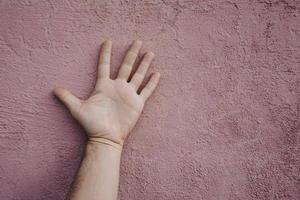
x,y
223,124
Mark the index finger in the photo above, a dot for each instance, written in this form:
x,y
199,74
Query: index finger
x,y
104,60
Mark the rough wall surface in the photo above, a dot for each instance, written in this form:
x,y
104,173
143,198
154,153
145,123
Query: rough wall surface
x,y
223,124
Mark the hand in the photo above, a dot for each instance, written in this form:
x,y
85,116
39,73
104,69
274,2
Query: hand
x,y
114,106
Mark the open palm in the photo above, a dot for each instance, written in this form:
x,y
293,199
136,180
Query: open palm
x,y
114,106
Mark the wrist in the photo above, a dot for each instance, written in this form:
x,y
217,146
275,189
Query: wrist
x,y
105,142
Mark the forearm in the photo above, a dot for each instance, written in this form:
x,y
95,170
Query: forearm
x,y
98,176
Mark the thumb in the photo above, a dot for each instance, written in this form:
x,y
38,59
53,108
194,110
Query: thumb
x,y
71,101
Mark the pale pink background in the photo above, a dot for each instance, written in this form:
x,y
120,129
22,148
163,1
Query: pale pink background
x,y
223,124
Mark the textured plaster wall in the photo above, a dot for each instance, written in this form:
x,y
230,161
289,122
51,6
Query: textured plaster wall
x,y
223,124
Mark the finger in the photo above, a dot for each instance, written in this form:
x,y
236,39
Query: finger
x,y
104,60
72,102
129,60
139,75
150,86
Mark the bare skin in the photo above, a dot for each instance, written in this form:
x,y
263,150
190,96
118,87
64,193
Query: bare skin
x,y
108,116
